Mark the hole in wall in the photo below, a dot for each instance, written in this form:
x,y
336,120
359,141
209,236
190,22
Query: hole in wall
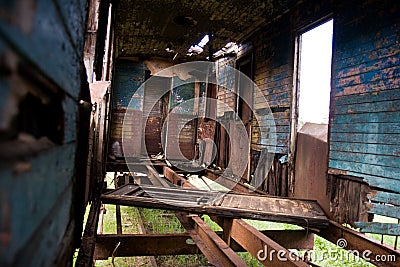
x,y
41,119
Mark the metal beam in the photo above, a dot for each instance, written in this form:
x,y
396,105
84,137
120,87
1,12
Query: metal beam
x,y
267,251
213,247
361,243
253,240
144,245
160,244
175,178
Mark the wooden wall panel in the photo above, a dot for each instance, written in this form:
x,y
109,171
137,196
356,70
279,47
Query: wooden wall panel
x,y
42,33
41,50
364,118
365,113
273,75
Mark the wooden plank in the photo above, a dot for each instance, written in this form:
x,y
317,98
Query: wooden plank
x,y
365,138
385,197
302,212
274,142
371,107
365,44
175,178
384,128
386,84
362,101
278,129
275,100
372,73
367,70
379,228
386,210
22,189
370,159
70,108
279,148
380,182
87,248
374,117
76,26
362,168
365,148
227,181
48,45
351,65
275,88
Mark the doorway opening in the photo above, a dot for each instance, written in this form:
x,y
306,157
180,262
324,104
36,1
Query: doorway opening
x,y
314,74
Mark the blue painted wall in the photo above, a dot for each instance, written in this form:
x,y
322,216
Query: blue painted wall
x,y
365,111
41,50
129,76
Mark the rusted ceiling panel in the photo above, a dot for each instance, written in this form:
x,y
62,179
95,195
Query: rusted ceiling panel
x,y
149,27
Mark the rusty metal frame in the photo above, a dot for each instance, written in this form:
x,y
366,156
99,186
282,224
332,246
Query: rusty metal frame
x,y
160,244
361,243
260,245
246,235
211,245
144,245
220,247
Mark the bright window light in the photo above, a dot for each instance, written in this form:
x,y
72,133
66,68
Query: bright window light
x,y
198,48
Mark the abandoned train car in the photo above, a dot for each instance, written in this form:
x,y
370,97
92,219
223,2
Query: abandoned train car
x,y
213,88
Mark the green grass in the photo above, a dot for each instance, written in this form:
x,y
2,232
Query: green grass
x,y
129,219
160,221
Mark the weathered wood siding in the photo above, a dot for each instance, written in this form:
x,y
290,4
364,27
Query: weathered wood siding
x,y
274,53
41,51
273,75
365,117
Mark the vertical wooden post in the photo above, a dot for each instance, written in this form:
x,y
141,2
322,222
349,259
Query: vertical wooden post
x,y
227,227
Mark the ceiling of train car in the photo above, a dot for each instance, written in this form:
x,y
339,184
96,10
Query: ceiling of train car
x,y
167,28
